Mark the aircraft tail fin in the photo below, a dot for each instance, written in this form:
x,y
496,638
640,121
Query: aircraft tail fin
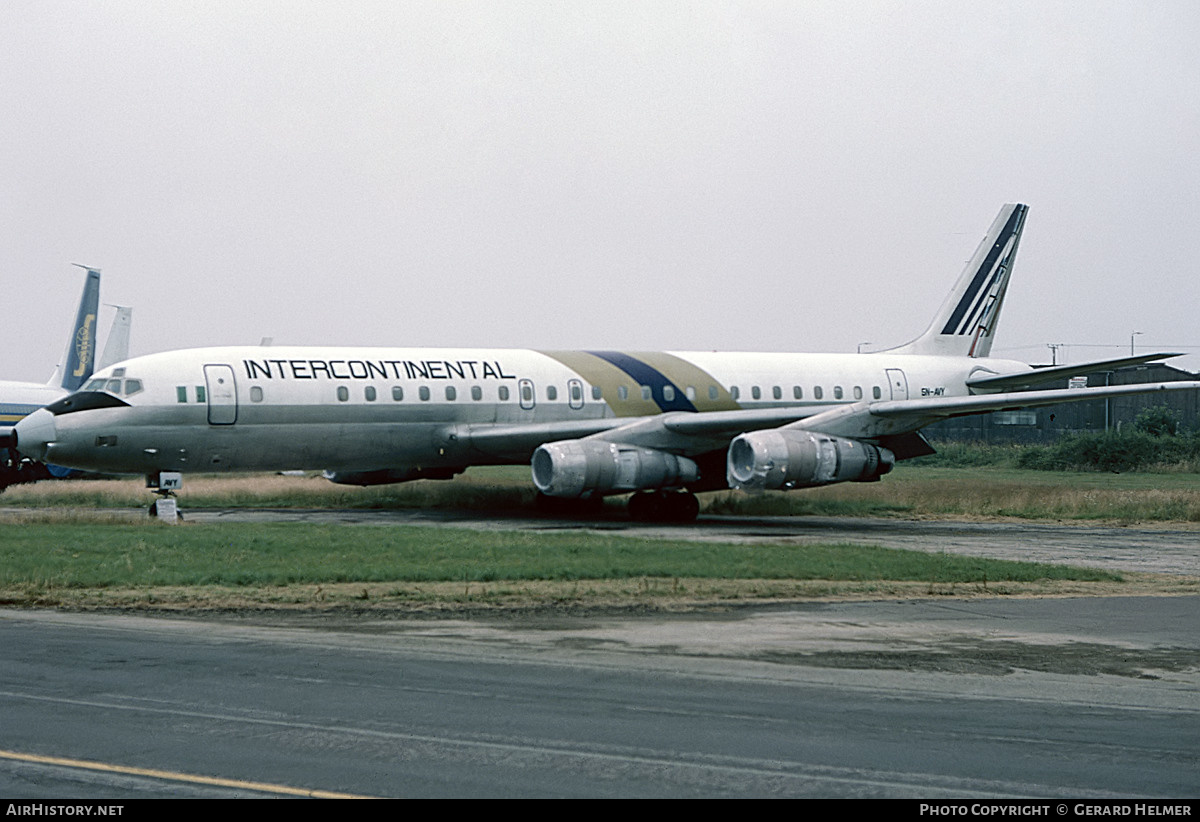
x,y
80,357
116,347
965,324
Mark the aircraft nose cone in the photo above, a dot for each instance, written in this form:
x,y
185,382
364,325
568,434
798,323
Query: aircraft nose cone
x,y
34,433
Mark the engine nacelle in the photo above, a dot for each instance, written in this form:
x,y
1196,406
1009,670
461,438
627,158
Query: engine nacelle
x,y
386,476
586,468
783,458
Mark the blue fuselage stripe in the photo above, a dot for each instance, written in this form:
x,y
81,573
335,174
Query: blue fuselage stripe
x,y
644,374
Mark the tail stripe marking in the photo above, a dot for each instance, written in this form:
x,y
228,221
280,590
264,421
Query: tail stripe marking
x,y
994,266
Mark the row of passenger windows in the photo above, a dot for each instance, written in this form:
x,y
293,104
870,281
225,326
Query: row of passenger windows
x,y
818,393
574,391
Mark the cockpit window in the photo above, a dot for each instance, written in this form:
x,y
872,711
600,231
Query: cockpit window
x,y
114,386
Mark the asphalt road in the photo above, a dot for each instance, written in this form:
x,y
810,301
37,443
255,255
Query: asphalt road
x,y
995,698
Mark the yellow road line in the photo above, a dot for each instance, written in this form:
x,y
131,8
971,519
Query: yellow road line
x,y
264,787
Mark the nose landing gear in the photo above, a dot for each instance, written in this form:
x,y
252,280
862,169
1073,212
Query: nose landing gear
x,y
165,484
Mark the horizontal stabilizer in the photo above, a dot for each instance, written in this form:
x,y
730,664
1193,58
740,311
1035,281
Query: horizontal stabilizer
x,y
872,420
1040,376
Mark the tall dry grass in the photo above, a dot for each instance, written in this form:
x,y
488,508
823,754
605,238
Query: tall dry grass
x,y
912,491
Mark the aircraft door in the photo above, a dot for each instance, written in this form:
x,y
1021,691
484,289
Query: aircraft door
x,y
222,394
575,394
898,383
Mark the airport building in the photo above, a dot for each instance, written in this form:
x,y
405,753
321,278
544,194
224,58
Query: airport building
x,y
1039,425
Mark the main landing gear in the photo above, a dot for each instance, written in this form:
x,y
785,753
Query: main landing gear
x,y
664,506
165,484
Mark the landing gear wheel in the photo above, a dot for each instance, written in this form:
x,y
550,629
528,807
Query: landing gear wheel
x,y
568,506
664,506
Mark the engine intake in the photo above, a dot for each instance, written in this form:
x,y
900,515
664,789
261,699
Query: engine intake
x,y
586,468
784,458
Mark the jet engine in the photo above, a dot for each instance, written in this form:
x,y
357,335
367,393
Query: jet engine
x,y
786,458
586,468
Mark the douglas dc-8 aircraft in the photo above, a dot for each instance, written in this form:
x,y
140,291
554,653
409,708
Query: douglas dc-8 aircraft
x,y
594,423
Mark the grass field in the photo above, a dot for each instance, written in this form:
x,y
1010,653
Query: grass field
x,y
48,559
78,544
912,491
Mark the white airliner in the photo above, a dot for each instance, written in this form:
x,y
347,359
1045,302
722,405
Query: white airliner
x,y
594,423
19,399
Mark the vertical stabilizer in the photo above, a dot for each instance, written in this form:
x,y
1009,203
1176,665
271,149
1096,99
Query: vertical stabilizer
x,y
966,323
80,357
116,346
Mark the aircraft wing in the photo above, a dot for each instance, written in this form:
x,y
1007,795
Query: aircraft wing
x,y
689,433
682,432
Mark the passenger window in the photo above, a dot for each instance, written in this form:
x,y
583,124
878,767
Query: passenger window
x,y
777,392
343,393
576,392
551,392
837,392
397,393
504,393
876,392
668,393
690,392
527,393
597,394
797,392
476,393
735,392
858,392
712,392
818,393
180,393
423,393
200,395
646,392
623,392
756,392
451,393
256,393
369,393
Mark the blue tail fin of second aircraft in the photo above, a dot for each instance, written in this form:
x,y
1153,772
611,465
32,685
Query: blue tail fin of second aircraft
x,y
966,323
80,357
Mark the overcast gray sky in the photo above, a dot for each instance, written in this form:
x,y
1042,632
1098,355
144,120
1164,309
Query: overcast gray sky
x,y
799,176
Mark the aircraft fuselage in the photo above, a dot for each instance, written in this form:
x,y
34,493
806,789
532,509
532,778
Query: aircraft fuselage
x,y
363,409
